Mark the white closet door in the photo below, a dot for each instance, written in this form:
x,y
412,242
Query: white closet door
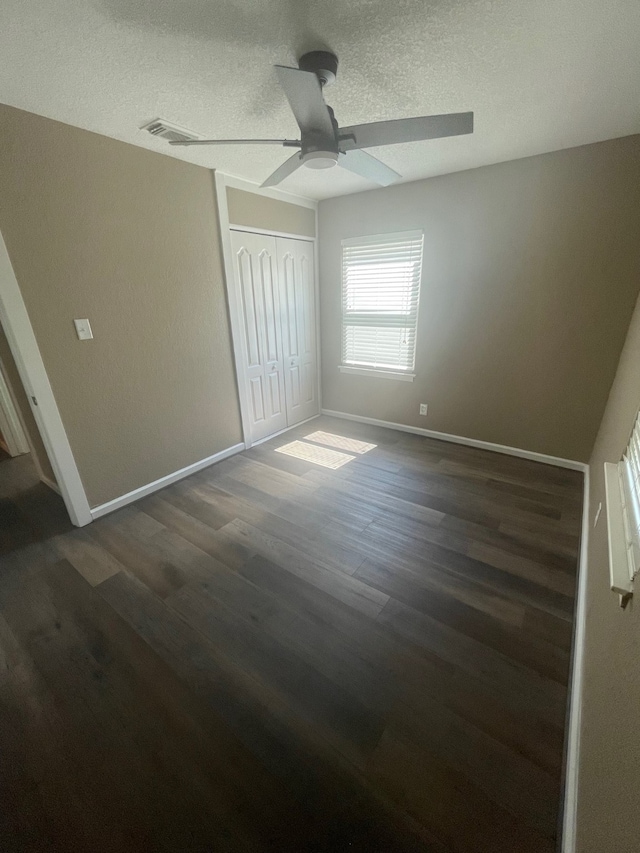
x,y
262,372
298,299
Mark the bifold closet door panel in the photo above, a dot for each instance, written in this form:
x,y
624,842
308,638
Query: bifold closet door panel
x,y
296,276
262,373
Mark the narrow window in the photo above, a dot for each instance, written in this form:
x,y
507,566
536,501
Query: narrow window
x,y
380,295
623,516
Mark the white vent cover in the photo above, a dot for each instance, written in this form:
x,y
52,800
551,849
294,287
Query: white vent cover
x,y
171,132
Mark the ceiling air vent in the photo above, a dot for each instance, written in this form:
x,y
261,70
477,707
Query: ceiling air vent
x,y
171,132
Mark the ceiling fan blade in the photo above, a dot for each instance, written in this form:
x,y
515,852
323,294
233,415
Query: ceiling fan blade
x,y
366,166
304,93
288,143
288,167
405,130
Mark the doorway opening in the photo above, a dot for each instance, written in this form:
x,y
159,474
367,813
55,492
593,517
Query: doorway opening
x,y
18,428
31,508
13,440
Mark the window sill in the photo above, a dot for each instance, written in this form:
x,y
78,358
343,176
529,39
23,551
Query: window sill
x,y
374,371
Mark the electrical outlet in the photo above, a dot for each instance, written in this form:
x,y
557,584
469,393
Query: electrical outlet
x,y
423,408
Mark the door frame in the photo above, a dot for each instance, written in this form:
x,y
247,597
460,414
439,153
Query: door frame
x,y
26,353
10,423
222,181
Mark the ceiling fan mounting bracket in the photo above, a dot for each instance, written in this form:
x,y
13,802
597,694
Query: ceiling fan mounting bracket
x,y
322,63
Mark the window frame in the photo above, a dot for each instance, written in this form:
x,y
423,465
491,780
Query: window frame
x,y
363,369
622,489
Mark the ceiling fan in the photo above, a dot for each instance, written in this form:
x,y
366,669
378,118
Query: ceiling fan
x,y
323,143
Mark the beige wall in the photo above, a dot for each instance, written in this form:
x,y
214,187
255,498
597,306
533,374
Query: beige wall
x,y
128,238
14,383
257,211
609,781
531,270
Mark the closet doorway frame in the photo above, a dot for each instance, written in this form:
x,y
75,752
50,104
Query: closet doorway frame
x,y
222,181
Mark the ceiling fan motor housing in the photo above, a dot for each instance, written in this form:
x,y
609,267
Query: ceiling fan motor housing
x,y
322,63
320,150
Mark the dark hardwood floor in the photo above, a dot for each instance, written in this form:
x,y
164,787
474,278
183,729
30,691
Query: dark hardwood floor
x,y
277,655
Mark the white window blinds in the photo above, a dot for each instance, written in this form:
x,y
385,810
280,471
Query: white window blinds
x,y
630,466
623,515
380,295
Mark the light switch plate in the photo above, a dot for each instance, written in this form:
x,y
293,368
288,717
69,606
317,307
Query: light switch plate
x,y
83,330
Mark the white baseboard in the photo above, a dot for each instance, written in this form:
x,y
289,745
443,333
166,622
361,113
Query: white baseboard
x,y
572,760
143,491
558,461
48,482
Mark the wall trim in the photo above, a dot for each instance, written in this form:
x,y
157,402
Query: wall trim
x,y
233,303
558,461
143,491
269,232
269,192
26,353
316,270
574,724
156,485
49,482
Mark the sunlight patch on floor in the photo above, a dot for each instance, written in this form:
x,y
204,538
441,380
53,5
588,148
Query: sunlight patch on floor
x,y
318,455
340,441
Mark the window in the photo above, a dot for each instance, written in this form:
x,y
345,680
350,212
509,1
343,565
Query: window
x,y
623,516
380,294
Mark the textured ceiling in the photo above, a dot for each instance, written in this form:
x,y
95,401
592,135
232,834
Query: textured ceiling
x,y
540,75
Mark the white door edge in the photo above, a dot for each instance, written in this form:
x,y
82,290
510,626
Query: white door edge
x,y
24,347
233,301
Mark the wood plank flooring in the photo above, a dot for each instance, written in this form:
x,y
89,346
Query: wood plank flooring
x,y
274,655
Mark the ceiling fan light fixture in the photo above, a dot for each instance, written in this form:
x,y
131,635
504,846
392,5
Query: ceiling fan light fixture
x,y
320,159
